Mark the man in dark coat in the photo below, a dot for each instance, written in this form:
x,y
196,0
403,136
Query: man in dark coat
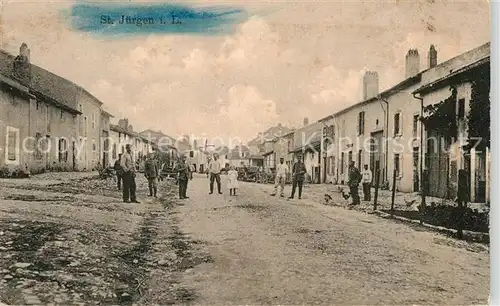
x,y
298,176
129,187
183,177
118,171
353,183
152,174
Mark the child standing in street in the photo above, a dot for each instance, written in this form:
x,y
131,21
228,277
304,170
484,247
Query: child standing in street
x,y
232,182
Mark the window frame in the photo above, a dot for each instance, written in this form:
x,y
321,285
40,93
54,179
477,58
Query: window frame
x,y
399,131
415,126
361,123
17,151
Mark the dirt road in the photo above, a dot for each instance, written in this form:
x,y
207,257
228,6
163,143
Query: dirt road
x,y
74,241
270,250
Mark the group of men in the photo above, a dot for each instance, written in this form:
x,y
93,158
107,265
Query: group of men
x,y
125,171
355,177
298,176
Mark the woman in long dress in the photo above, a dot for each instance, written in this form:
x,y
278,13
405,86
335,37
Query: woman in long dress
x,y
232,180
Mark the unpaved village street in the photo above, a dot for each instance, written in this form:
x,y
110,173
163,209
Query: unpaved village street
x,y
72,241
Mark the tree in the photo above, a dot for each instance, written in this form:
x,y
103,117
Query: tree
x,y
478,119
441,117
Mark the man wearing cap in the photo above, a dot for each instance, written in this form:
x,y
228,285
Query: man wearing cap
x,y
183,177
298,173
354,179
151,173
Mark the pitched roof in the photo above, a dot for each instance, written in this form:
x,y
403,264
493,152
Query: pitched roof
x,y
307,136
57,89
119,129
443,81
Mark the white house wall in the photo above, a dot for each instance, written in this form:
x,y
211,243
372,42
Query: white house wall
x,y
347,138
407,107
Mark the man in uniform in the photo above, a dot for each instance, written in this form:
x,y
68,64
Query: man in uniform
x,y
353,182
118,171
127,164
152,174
183,177
298,173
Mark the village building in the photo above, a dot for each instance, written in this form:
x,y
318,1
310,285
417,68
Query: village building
x,y
268,154
105,138
457,133
307,143
39,116
288,155
328,152
255,158
162,144
239,156
121,135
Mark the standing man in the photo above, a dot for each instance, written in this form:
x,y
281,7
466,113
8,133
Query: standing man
x,y
129,188
367,183
119,171
281,172
214,168
152,174
183,177
353,182
298,173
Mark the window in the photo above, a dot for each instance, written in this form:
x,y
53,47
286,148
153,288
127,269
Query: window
x,y
415,125
93,121
397,123
350,157
360,159
63,150
361,123
191,153
85,126
38,146
461,109
61,115
114,151
397,164
12,152
342,162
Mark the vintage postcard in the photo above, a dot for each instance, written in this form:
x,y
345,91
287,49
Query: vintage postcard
x,y
245,152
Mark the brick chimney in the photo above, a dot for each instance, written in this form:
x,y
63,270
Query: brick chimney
x,y
370,84
306,121
432,57
412,63
21,68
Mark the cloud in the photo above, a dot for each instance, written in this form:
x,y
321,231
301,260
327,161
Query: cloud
x,y
304,60
247,111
